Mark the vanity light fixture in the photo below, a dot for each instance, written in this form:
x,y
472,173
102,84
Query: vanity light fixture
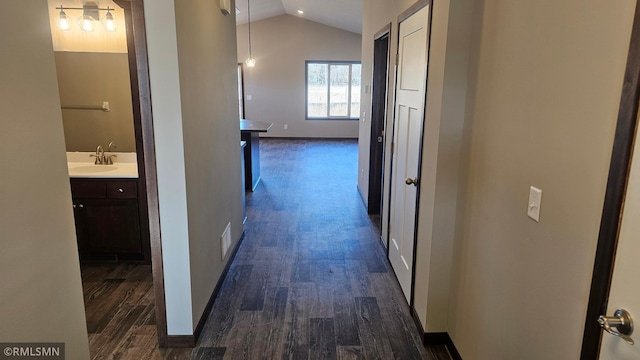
x,y
251,62
90,14
300,12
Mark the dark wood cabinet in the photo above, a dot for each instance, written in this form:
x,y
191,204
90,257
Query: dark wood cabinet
x,y
108,220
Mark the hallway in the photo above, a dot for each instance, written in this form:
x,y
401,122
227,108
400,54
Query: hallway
x,y
310,279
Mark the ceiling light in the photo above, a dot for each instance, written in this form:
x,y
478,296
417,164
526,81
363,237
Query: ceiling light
x,y
300,12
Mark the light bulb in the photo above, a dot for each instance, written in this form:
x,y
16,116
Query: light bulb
x,y
109,23
86,23
63,21
251,62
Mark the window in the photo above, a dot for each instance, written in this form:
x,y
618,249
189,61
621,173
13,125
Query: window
x,y
333,90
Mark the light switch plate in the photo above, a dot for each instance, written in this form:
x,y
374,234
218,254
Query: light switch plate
x,y
533,206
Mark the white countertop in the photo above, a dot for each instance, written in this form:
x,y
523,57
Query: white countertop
x,y
81,165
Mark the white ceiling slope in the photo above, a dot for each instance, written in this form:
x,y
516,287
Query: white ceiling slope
x,y
342,14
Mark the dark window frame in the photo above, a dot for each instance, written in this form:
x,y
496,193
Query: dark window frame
x,y
306,89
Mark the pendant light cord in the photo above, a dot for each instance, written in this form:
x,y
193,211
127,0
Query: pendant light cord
x,y
249,18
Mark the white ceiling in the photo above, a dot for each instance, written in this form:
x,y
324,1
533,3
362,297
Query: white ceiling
x,y
342,14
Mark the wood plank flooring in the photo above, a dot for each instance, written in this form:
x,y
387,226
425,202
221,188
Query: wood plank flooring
x,y
120,312
310,280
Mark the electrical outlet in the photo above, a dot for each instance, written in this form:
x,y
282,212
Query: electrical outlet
x,y
286,126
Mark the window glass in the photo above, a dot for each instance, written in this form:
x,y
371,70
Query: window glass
x,y
333,90
317,86
339,91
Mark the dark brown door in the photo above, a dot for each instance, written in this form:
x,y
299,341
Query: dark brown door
x,y
378,115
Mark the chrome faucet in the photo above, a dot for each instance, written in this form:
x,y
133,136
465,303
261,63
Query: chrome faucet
x,y
100,159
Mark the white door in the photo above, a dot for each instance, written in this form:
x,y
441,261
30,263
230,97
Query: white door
x,y
409,117
625,286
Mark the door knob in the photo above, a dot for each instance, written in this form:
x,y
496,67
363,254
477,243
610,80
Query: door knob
x,y
410,181
620,325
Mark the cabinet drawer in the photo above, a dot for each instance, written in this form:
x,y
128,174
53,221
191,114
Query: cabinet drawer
x,y
122,190
88,189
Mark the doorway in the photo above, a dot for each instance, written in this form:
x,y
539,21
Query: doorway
x,y
411,84
146,183
378,117
241,90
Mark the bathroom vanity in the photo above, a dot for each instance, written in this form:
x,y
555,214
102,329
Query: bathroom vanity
x,y
110,225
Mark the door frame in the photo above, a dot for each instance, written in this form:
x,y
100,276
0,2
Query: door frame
x,y
377,149
241,92
614,196
417,6
145,149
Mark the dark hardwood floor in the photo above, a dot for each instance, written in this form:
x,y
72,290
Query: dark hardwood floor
x,y
309,281
119,306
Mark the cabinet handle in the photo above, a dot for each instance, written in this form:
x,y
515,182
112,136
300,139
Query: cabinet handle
x,y
121,190
81,206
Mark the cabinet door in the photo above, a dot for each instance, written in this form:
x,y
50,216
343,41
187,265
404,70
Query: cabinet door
x,y
112,226
81,225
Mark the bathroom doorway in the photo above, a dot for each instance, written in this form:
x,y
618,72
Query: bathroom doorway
x,y
139,277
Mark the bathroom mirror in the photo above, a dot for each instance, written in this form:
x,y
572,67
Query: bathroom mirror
x,y
93,77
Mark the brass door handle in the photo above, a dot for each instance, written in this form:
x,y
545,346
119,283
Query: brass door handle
x,y
410,181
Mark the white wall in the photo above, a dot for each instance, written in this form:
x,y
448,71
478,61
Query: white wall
x,y
440,168
40,287
192,65
172,197
546,83
281,45
211,131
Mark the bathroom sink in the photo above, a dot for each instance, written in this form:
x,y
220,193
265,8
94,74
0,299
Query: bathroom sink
x,y
124,167
88,169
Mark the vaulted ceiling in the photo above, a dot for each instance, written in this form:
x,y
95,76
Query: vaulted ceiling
x,y
342,14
